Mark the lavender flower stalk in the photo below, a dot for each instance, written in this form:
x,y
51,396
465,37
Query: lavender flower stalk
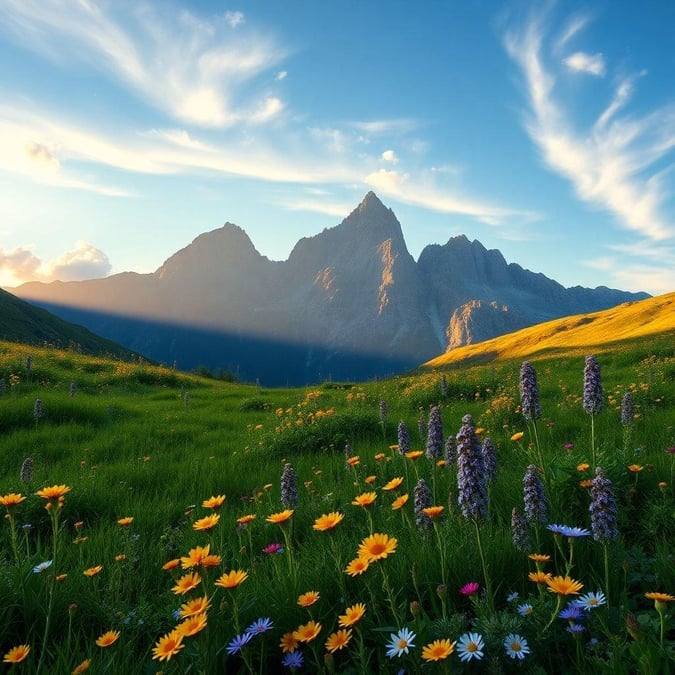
x,y
534,498
519,533
489,459
37,409
26,472
450,450
627,409
435,434
403,438
422,495
592,400
603,517
471,479
289,487
529,392
422,427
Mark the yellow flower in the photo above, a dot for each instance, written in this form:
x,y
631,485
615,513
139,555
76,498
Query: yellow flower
x,y
365,499
583,467
16,654
214,502
338,640
308,599
539,577
194,606
660,597
12,499
635,468
399,502
92,571
440,463
245,520
353,461
120,557
232,579
125,521
195,557
206,523
438,650
357,566
168,645
288,643
393,484
370,479
82,667
539,557
377,547
479,431
61,577
517,436
108,638
280,517
192,625
186,583
307,632
328,521
379,456
564,585
414,454
352,615
171,564
586,483
433,511
53,492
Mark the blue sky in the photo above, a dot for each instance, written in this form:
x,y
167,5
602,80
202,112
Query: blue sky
x,y
543,129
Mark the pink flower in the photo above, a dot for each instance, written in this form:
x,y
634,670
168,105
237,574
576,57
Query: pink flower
x,y
470,589
569,446
273,549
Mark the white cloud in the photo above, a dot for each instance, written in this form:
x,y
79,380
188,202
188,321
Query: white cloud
x,y
593,64
390,156
341,210
234,19
377,127
281,75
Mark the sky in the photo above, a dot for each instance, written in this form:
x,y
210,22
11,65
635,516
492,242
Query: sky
x,y
543,129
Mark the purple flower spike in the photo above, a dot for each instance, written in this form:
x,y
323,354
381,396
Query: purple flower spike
x,y
529,392
435,434
592,386
471,480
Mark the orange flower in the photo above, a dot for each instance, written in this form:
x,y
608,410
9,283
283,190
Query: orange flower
x,y
288,643
120,557
564,585
352,615
365,499
414,454
377,547
186,583
399,502
108,638
168,645
379,456
245,520
53,492
206,523
192,625
433,511
539,577
583,467
586,483
232,579
171,564
660,597
539,557
370,479
92,571
16,654
194,606
307,632
12,499
393,484
125,521
353,461
357,566
517,436
214,502
328,521
438,650
338,640
308,599
195,557
82,667
281,517
635,468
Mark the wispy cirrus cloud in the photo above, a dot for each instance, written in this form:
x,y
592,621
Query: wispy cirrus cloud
x,y
593,64
195,71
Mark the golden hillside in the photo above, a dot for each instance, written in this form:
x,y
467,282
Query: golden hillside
x,y
583,331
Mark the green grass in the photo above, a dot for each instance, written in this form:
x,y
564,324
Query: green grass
x,y
150,443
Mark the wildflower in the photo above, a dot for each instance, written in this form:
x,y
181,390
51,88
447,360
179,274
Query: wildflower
x,y
338,640
586,483
529,392
213,502
53,492
26,471
525,609
260,626
564,585
92,571
470,646
10,500
660,597
414,454
357,566
370,479
400,643
288,643
539,557
591,600
399,502
534,499
289,488
232,579
575,629
353,461
573,612
308,599
471,479
403,438
108,638
567,531
192,625
82,667
61,577
281,517
379,456
352,615
16,654
540,577
383,412
450,450
627,409
328,521
512,597
636,468
489,459
194,606
517,436
422,501
238,642
422,426
41,567
307,632
393,484
120,557
516,646
592,401
438,650
206,523
365,499
377,547
292,660
433,512
186,583
196,556
603,509
583,467
470,589
123,522
171,564
245,520
37,409
274,548
519,533
434,446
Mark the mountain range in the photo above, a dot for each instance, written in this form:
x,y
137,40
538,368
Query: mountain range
x,y
349,303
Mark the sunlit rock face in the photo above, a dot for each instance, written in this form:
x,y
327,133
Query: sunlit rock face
x,y
349,303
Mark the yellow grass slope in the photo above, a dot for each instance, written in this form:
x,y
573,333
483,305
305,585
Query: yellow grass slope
x,y
630,320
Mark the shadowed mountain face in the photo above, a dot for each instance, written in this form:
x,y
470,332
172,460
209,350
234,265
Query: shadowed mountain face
x,y
349,303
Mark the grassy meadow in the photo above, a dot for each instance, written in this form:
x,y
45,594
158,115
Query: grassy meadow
x,y
145,530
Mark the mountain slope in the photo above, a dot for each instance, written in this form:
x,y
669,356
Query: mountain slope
x,y
653,316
